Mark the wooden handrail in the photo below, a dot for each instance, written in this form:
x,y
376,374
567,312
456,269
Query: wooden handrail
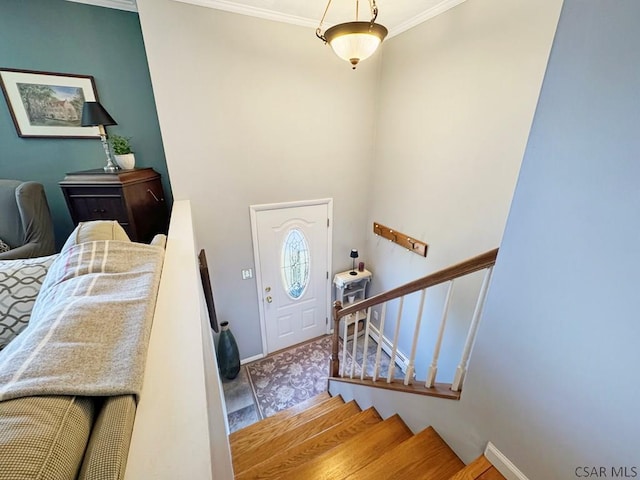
x,y
477,263
461,269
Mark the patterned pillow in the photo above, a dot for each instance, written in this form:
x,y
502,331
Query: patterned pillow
x,y
20,282
4,247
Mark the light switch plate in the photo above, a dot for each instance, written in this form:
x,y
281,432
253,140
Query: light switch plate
x,y
247,274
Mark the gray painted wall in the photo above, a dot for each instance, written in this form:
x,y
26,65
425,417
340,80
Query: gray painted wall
x,y
563,308
273,116
553,379
457,97
66,37
285,120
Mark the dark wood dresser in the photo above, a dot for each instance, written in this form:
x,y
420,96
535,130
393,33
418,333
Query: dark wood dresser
x,y
134,198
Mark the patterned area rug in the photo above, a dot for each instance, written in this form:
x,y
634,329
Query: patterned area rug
x,y
287,378
292,376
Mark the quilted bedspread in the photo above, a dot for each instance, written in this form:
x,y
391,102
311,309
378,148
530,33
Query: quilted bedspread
x,y
90,324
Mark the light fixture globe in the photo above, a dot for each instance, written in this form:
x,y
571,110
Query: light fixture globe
x,y
355,41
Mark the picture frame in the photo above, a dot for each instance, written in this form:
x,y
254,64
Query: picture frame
x,y
48,104
206,287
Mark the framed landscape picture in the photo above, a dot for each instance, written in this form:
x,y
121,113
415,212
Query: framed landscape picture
x,y
45,104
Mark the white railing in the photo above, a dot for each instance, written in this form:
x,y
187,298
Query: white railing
x,y
363,312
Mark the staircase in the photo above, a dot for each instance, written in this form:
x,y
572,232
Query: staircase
x,y
362,311
326,438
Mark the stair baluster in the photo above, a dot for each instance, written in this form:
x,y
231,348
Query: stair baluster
x,y
354,341
408,377
376,368
473,329
433,368
394,349
365,348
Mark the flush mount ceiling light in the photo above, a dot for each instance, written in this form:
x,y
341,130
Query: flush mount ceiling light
x,y
354,41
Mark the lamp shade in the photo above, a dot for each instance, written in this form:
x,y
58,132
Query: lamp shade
x,y
94,114
355,41
354,253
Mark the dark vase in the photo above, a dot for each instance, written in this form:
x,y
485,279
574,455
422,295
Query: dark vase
x,y
228,354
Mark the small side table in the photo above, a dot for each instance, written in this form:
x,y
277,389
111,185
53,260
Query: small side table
x,y
352,289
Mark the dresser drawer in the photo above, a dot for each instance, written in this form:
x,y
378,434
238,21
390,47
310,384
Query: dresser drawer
x,y
85,208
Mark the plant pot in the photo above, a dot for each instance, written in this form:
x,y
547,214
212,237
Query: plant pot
x,y
126,162
227,353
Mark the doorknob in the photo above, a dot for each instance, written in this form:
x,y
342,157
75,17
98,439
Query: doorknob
x,y
269,299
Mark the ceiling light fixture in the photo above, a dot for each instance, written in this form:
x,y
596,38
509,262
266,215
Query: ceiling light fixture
x,y
354,41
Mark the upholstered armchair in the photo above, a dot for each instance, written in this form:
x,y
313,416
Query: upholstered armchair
x,y
25,220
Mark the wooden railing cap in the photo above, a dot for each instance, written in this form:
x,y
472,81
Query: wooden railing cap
x,y
474,264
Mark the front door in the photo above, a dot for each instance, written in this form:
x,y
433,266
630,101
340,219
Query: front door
x,y
291,249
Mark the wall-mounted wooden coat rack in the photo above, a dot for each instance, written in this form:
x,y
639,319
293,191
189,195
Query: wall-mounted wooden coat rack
x,y
410,243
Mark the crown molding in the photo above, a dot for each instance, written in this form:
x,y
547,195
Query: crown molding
x,y
233,7
127,5
230,6
424,16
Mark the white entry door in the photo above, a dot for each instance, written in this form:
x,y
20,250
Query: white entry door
x,y
291,249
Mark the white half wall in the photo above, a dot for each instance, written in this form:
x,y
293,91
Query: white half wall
x,y
251,112
180,429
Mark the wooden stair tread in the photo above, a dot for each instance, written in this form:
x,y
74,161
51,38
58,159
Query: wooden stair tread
x,y
259,452
474,470
264,430
289,459
423,456
300,407
491,474
353,454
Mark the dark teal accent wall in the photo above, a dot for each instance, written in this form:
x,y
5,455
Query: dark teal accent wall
x,y
67,37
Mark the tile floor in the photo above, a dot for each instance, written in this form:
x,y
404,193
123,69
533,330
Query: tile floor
x,y
241,405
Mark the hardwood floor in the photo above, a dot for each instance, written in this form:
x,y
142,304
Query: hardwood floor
x,y
326,438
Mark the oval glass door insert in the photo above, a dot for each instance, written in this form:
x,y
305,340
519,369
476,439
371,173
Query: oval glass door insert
x,y
295,263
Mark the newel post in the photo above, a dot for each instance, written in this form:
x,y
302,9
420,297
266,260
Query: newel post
x,y
334,366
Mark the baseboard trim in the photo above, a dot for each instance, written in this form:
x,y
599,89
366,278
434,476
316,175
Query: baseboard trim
x,y
502,463
251,359
401,359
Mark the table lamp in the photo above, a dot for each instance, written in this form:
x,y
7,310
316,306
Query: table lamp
x,y
94,115
353,255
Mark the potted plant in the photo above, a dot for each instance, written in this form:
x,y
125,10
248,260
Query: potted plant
x,y
122,151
